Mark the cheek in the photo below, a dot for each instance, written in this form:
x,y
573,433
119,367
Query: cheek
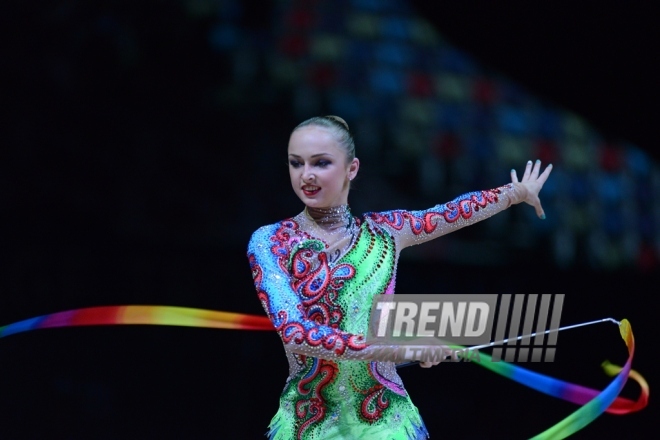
x,y
339,179
293,177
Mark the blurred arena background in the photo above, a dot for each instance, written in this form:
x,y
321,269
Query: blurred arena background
x,y
145,140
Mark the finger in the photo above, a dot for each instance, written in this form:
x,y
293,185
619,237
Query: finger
x,y
428,364
536,170
528,170
544,175
514,176
539,209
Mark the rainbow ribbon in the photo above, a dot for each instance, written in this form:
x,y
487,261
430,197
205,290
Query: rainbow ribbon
x,y
594,402
153,315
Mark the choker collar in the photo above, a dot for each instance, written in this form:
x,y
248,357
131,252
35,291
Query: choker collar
x,y
330,218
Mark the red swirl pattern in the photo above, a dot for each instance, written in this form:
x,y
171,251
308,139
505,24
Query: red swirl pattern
x,y
316,285
450,212
374,403
314,408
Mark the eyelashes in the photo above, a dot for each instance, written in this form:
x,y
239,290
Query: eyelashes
x,y
323,163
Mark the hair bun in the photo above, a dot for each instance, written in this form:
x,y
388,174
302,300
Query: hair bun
x,y
338,120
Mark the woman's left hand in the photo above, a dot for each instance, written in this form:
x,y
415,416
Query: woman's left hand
x,y
531,184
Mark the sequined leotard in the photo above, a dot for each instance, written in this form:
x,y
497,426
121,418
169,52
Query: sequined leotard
x,y
318,296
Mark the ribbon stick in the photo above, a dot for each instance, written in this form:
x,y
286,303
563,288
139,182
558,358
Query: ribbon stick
x,y
593,402
518,338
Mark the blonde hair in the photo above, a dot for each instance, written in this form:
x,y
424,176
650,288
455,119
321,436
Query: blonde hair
x,y
338,127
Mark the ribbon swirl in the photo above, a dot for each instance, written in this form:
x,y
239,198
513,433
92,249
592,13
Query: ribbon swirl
x,y
593,402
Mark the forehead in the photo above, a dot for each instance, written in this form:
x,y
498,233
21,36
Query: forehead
x,y
313,139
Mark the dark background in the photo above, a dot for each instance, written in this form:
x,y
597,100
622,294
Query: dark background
x,y
594,58
137,162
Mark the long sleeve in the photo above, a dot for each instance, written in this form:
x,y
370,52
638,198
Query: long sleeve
x,y
415,227
285,308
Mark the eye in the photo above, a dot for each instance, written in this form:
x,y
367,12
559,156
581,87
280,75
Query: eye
x,y
323,163
294,163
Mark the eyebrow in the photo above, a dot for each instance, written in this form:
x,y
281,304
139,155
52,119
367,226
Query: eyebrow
x,y
313,155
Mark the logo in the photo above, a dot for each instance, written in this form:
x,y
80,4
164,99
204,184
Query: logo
x,y
519,328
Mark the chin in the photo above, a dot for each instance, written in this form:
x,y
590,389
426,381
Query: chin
x,y
314,203
306,200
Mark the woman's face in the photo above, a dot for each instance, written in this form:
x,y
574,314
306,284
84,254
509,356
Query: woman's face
x,y
320,174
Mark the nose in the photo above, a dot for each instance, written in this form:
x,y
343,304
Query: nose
x,y
308,176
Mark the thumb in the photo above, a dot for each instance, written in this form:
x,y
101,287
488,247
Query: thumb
x,y
539,210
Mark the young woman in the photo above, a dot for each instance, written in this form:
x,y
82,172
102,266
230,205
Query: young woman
x,y
317,273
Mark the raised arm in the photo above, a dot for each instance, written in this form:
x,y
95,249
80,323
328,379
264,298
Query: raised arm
x,y
414,227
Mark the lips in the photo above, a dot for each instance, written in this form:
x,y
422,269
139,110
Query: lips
x,y
310,190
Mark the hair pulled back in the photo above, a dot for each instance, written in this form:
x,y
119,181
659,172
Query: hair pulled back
x,y
338,127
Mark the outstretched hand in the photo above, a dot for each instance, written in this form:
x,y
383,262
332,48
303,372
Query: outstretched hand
x,y
532,182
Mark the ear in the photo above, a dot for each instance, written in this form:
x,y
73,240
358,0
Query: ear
x,y
353,168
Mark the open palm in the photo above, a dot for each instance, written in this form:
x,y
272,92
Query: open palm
x,y
531,184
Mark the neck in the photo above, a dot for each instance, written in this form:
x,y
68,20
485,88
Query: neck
x,y
331,218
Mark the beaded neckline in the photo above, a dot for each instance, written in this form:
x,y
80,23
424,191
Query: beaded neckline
x,y
335,226
331,219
